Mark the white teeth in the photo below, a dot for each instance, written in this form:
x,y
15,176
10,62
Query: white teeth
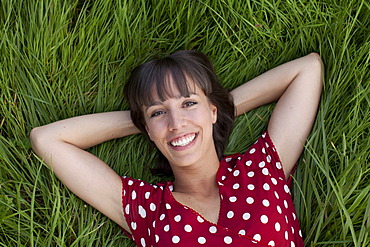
x,y
183,141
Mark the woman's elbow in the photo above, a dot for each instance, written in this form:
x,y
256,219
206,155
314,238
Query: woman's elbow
x,y
317,62
36,136
317,67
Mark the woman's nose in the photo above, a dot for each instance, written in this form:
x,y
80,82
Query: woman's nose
x,y
176,120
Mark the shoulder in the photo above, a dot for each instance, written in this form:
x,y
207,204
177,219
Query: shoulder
x,y
260,159
137,189
141,203
262,149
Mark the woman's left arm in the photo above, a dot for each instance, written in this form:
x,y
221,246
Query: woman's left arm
x,y
296,85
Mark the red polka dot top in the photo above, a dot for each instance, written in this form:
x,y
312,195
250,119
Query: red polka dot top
x,y
256,206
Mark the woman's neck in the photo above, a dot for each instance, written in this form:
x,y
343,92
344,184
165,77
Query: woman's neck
x,y
197,180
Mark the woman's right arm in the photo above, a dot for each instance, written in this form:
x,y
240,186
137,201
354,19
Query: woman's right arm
x,y
61,145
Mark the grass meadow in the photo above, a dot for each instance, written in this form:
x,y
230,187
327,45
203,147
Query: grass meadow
x,y
60,59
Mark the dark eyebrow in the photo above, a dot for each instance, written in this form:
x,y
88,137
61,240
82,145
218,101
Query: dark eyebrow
x,y
154,103
157,102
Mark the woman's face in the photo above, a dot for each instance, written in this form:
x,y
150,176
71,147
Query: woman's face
x,y
181,127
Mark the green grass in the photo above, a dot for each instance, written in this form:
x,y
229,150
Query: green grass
x,y
65,58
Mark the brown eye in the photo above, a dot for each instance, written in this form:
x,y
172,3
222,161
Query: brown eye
x,y
157,113
189,103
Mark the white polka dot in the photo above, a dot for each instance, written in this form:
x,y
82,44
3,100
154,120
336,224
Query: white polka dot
x,y
252,150
230,214
133,195
266,186
175,239
166,228
294,217
200,220
292,244
141,184
248,163
250,186
268,158
264,150
149,231
152,206
212,229
177,218
271,243
286,235
277,226
257,237
276,195
265,171
223,177
278,165
153,224
188,228
162,217
142,241
233,199
228,159
264,135
266,144
228,240
130,182
127,209
286,188
133,225
236,186
266,203
236,173
286,219
242,232
147,195
285,204
156,238
124,192
142,212
246,216
264,219
201,240
250,174
261,164
300,233
292,230
229,169
274,181
279,209
168,206
250,200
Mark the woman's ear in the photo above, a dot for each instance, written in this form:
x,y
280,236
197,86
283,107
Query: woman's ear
x,y
147,131
213,113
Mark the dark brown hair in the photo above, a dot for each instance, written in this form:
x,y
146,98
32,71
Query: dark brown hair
x,y
180,67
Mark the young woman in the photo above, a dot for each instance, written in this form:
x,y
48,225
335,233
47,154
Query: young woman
x,y
238,200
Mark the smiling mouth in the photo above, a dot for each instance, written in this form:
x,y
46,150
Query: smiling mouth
x,y
183,141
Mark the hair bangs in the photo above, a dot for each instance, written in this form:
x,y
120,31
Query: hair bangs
x,y
167,79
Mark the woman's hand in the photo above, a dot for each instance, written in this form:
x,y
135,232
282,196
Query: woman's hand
x,y
61,146
297,87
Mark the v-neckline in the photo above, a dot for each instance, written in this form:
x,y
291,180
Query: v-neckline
x,y
171,188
